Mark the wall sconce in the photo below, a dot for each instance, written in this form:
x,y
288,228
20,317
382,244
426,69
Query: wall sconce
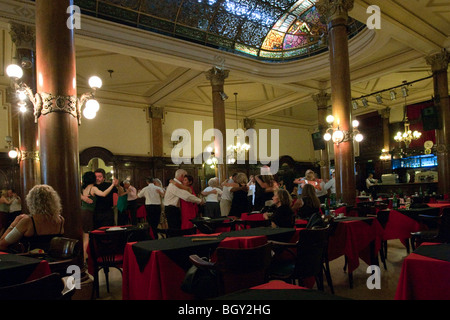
x,y
44,103
385,155
224,96
338,136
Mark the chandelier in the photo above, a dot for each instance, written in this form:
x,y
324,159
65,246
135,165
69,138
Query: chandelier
x,y
338,135
212,161
407,136
234,149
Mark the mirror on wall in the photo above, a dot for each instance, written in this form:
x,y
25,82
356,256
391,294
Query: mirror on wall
x,y
96,163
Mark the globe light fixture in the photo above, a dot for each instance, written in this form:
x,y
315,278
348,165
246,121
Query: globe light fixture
x,y
337,135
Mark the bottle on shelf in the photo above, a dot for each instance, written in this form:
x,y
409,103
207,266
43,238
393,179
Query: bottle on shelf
x,y
394,201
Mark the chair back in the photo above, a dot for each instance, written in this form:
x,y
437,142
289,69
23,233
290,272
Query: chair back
x,y
49,287
242,268
444,227
311,251
107,248
64,248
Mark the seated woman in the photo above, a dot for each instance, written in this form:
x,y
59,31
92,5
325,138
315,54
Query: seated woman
x,y
44,222
308,203
283,216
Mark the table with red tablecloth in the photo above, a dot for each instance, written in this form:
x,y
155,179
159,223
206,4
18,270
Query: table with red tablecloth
x,y
400,225
441,206
155,269
355,237
425,274
15,269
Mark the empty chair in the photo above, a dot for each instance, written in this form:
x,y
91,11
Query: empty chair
x,y
49,287
106,251
238,268
441,234
296,262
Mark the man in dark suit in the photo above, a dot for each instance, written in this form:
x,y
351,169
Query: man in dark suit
x,y
104,213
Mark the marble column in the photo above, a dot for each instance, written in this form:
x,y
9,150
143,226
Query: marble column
x,y
23,37
156,114
439,65
217,77
58,115
321,100
385,114
336,14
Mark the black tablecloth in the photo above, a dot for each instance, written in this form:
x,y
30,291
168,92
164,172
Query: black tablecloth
x,y
178,249
438,251
279,294
16,269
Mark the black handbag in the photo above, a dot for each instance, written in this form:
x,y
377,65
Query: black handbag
x,y
202,283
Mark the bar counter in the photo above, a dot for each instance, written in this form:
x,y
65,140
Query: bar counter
x,y
407,188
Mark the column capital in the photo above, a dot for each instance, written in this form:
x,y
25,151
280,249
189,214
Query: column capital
x,y
23,36
385,113
333,9
439,61
321,99
156,112
249,123
217,75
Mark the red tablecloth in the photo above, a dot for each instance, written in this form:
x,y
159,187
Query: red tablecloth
x,y
400,226
439,205
277,284
423,278
353,239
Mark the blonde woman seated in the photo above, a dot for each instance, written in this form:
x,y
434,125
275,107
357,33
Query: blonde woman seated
x,y
44,222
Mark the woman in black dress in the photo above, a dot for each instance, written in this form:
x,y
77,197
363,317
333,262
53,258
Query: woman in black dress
x,y
283,216
239,204
308,202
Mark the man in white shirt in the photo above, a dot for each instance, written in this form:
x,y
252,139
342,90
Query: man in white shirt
x,y
172,200
331,184
152,194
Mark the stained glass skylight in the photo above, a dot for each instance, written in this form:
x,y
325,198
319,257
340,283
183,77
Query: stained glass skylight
x,y
269,30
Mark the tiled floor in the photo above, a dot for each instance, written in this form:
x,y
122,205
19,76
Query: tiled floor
x,y
389,278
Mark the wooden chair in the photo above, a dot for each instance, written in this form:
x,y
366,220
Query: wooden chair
x,y
441,234
106,251
238,268
49,287
295,262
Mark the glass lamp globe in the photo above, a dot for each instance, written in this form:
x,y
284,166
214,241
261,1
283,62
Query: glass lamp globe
x,y
338,136
89,114
359,137
95,82
330,119
327,137
14,71
92,105
12,154
355,123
